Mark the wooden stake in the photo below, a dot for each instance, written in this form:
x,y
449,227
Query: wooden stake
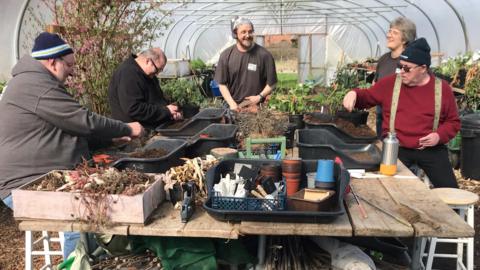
x,y
385,212
360,206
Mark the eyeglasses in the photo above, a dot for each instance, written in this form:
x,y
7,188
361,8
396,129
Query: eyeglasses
x,y
157,70
70,65
406,68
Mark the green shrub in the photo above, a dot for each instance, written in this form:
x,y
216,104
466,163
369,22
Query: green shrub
x,y
197,64
182,92
295,101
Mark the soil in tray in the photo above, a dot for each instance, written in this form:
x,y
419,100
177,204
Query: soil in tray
x,y
149,153
89,180
348,127
361,156
177,124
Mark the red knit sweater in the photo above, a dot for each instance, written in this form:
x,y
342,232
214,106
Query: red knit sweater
x,y
415,112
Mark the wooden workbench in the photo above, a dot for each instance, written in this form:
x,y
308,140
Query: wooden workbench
x,y
390,193
412,192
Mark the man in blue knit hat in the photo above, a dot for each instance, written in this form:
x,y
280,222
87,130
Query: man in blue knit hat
x,y
419,108
43,127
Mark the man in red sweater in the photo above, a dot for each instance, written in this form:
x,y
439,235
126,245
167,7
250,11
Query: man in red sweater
x,y
420,142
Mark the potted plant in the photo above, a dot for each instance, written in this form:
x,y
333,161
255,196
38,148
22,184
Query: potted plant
x,y
294,102
185,93
197,66
345,80
472,89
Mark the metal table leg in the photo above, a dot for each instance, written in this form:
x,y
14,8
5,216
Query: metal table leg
x,y
262,242
84,241
417,254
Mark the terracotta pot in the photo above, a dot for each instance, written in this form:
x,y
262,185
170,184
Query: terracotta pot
x,y
291,168
292,165
292,186
291,175
292,161
271,170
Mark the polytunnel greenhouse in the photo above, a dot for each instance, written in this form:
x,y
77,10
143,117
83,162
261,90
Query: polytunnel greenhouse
x,y
326,30
230,134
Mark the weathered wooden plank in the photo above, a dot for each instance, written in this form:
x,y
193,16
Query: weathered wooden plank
x,y
67,226
402,197
415,194
167,222
340,226
377,223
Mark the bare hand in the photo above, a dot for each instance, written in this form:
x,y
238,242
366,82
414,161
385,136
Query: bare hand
x,y
430,140
137,129
253,99
175,112
234,107
349,100
121,140
177,116
172,108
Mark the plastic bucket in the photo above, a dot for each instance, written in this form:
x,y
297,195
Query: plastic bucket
x,y
215,88
470,149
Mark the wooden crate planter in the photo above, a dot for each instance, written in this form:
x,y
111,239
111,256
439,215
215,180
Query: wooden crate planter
x,y
67,206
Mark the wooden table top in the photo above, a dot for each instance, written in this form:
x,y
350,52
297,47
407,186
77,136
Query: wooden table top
x,y
408,199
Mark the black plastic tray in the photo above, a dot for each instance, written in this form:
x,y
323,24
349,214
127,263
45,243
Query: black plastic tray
x,y
356,117
219,135
215,114
323,144
175,148
342,180
194,125
340,133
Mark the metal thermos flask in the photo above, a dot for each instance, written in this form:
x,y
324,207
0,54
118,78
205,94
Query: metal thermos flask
x,y
389,154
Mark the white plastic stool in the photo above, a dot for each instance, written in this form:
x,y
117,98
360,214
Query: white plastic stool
x,y
463,201
46,252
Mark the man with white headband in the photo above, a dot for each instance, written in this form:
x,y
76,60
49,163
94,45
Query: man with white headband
x,y
245,71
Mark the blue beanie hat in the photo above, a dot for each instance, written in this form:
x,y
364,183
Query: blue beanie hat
x,y
50,46
417,52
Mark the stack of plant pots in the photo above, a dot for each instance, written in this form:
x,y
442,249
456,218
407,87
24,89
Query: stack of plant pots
x,y
291,169
271,170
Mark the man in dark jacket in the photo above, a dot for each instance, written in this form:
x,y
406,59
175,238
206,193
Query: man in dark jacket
x,y
43,127
134,92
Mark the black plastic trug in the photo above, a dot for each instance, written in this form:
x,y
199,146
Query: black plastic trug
x,y
356,117
340,133
213,136
174,147
323,144
191,127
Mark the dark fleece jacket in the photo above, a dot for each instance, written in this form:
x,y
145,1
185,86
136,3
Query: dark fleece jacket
x,y
134,96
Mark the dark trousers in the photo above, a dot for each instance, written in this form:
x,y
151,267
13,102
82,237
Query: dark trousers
x,y
379,122
434,161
